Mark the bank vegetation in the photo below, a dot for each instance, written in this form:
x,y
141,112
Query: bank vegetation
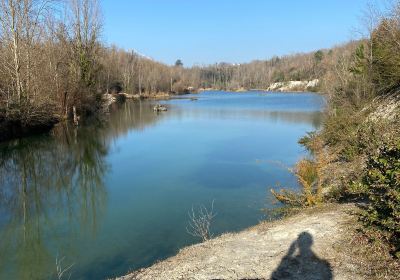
x,y
356,155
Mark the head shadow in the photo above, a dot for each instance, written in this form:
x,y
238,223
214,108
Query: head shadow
x,y
301,263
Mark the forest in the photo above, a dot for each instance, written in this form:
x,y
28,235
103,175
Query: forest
x,y
53,63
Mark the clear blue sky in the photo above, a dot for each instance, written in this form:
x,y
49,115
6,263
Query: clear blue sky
x,y
209,31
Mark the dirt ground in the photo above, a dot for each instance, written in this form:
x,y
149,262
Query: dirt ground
x,y
304,246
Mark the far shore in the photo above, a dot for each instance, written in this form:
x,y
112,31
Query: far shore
x,y
243,90
9,131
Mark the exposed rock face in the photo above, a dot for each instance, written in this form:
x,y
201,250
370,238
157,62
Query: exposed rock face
x,y
300,247
293,86
313,83
385,107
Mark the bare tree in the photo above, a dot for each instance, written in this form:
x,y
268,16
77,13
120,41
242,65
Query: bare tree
x,y
200,219
20,32
85,25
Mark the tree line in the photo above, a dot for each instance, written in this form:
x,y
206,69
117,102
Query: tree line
x,y
53,63
48,59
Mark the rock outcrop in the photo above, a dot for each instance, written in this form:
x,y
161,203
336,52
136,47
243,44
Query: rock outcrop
x,y
294,86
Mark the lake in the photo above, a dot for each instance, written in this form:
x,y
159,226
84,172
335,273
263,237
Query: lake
x,y
111,197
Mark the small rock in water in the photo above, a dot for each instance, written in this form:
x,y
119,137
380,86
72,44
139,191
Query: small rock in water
x,y
159,108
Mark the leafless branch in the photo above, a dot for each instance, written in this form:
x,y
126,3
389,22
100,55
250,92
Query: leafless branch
x,y
61,269
200,219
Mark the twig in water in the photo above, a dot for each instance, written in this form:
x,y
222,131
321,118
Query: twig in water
x,y
62,270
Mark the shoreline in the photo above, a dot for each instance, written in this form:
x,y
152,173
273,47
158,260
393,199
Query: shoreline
x,y
12,130
322,242
259,252
284,87
260,90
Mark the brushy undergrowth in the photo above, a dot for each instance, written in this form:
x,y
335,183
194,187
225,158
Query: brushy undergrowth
x,y
381,184
309,174
358,153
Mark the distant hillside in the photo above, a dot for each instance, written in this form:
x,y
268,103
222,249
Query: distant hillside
x,y
262,74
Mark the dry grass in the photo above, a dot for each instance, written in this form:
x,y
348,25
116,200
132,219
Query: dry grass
x,y
310,174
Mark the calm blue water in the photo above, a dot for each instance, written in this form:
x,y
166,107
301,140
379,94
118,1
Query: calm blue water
x,y
112,197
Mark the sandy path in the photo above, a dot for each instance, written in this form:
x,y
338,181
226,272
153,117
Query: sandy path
x,y
303,246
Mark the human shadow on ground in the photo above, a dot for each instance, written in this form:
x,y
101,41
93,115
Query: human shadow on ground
x,y
304,265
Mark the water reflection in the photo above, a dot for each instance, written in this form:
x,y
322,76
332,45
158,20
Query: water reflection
x,y
44,180
131,115
291,117
114,196
52,190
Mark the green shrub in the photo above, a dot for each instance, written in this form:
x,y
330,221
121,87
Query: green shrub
x,y
308,173
386,54
308,140
382,182
340,131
